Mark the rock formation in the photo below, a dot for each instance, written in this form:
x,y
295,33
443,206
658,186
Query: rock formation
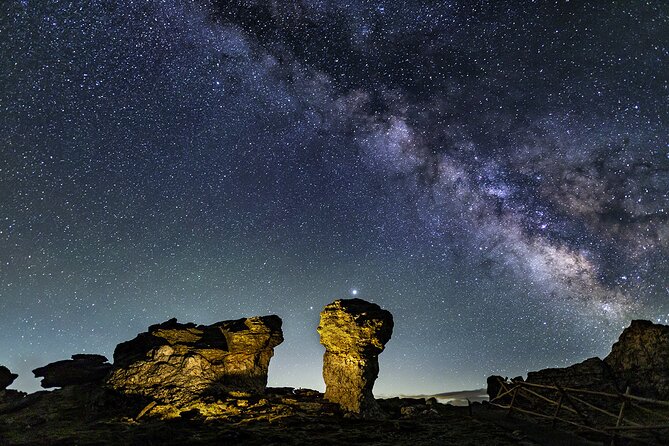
x,y
494,389
593,373
81,369
6,377
640,359
175,362
354,332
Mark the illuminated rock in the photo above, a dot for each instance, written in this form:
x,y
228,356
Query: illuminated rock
x,y
175,362
81,369
354,332
6,377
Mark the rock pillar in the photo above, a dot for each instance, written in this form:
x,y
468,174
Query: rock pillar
x,y
354,333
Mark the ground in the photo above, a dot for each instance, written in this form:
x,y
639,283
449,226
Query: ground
x,y
90,415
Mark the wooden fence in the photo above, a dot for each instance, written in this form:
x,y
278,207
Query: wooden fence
x,y
643,420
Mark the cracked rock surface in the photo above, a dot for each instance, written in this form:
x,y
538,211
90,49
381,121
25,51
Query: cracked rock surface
x,y
175,362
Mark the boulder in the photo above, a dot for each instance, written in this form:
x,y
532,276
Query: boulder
x,y
494,389
175,363
354,332
81,369
6,377
640,359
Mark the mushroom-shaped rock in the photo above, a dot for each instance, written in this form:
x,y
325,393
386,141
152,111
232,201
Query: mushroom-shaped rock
x,y
640,359
6,377
81,369
354,333
175,362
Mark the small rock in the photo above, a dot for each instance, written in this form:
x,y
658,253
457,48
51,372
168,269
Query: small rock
x,y
409,411
6,377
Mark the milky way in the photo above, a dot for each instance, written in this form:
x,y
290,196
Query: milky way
x,y
496,175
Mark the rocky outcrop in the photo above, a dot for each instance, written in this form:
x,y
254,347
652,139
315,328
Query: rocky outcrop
x,y
175,362
640,359
495,390
6,377
354,332
81,369
593,373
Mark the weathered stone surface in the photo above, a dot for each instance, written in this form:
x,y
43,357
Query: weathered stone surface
x,y
640,359
354,332
81,369
6,377
175,362
593,374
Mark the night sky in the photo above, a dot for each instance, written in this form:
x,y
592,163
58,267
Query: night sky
x,y
494,173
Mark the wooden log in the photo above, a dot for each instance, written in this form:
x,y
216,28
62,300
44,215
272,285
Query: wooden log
x,y
557,411
621,414
146,409
549,400
541,415
620,418
505,393
583,416
649,411
637,428
513,399
595,392
599,409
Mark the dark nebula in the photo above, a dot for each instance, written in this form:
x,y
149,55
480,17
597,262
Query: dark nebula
x,y
496,174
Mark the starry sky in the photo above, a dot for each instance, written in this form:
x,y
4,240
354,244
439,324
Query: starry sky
x,y
494,173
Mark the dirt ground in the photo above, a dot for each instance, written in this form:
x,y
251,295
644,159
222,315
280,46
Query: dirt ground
x,y
91,416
